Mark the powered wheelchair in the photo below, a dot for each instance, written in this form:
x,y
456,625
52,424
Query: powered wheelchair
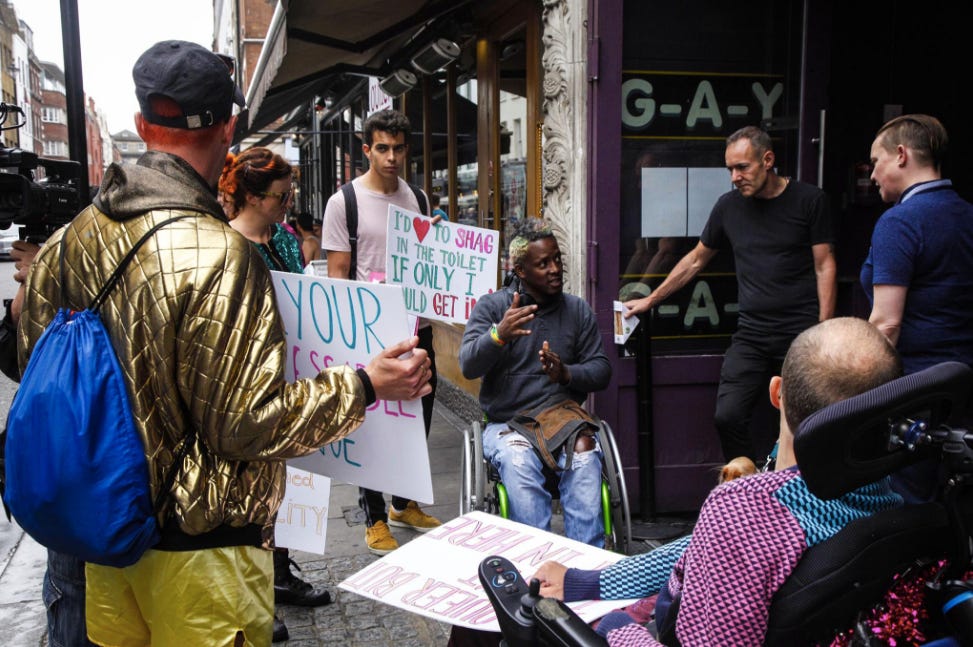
x,y
841,448
483,491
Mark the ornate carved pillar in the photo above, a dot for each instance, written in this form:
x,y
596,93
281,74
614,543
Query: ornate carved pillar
x,y
565,133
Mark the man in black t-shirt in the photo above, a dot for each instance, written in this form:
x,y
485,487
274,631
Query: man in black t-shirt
x,y
782,241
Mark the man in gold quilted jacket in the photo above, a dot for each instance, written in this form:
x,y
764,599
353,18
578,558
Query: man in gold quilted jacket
x,y
197,332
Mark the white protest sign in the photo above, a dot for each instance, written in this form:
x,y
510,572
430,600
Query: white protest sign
x,y
329,322
302,520
435,574
443,268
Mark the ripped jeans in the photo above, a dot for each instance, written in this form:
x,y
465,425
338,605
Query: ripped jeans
x,y
520,468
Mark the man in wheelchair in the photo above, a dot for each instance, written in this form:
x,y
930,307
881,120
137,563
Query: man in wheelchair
x,y
530,342
751,532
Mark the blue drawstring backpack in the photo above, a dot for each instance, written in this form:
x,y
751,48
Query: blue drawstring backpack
x,y
76,477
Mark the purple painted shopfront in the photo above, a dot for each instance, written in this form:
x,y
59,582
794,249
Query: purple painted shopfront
x,y
668,82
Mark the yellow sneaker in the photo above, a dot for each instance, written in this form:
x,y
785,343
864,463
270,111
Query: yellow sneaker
x,y
413,517
379,539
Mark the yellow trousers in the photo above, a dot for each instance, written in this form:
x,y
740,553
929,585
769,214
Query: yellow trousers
x,y
177,599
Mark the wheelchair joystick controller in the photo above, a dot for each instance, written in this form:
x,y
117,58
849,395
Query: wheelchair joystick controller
x,y
525,617
512,600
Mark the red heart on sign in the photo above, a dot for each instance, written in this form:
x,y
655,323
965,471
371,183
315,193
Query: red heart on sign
x,y
421,226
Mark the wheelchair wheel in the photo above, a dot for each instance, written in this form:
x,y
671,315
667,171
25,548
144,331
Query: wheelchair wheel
x,y
473,476
619,536
466,473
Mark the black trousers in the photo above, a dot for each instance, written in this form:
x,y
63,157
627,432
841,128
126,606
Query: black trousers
x,y
373,501
750,361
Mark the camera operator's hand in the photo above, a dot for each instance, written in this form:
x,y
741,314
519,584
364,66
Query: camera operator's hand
x,y
23,254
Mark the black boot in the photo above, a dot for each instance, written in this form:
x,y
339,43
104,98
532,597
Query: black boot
x,y
289,589
280,630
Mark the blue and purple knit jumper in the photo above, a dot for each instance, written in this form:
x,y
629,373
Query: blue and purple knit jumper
x,y
750,535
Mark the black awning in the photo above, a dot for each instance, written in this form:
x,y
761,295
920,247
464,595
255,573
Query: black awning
x,y
466,120
311,44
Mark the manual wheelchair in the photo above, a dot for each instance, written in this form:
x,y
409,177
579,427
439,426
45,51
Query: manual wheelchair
x,y
841,448
483,491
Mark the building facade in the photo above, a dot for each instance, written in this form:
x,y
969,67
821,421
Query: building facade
x,y
609,118
54,114
129,145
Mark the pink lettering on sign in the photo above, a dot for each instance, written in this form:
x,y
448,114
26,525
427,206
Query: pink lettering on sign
x,y
380,581
475,240
545,552
421,226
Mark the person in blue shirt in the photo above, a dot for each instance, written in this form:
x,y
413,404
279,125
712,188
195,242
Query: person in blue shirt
x,y
919,270
435,199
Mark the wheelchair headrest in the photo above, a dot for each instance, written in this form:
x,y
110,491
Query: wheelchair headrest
x,y
846,445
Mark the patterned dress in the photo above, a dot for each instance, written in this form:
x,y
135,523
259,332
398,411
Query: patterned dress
x,y
283,252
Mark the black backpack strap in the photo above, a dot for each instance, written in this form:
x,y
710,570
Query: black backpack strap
x,y
351,218
421,199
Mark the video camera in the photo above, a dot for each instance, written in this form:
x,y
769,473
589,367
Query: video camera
x,y
41,206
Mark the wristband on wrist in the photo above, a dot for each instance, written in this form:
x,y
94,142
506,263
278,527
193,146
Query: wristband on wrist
x,y
495,336
367,384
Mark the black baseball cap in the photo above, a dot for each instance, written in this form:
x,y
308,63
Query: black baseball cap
x,y
196,79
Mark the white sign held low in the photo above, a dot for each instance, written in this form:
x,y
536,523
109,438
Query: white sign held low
x,y
302,520
436,574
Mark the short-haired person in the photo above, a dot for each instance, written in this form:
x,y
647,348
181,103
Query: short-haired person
x,y
530,341
195,326
385,137
919,270
751,532
435,199
780,233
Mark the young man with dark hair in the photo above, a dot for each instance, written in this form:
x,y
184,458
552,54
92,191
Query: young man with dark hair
x,y
195,326
363,236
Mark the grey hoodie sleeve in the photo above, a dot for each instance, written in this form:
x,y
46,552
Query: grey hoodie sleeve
x,y
478,352
592,371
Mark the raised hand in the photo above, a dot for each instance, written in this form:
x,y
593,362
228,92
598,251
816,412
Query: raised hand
x,y
514,320
552,365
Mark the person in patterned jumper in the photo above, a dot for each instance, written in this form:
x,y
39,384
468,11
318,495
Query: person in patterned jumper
x,y
752,531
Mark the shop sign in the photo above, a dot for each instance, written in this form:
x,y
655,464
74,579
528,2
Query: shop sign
x,y
678,104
